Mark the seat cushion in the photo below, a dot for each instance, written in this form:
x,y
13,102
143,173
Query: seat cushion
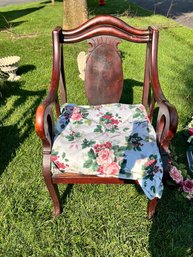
x,y
108,140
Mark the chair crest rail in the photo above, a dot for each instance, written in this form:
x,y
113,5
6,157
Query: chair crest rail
x,y
106,25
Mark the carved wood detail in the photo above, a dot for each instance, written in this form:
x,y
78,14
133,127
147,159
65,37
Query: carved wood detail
x,y
103,75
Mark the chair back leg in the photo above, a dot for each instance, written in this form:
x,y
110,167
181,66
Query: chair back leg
x,y
151,208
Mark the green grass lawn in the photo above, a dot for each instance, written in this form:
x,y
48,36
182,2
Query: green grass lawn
x,y
98,220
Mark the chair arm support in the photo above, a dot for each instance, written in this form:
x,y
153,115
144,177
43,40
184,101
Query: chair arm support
x,y
44,124
167,122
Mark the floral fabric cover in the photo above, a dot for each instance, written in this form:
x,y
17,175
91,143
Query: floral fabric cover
x,y
108,140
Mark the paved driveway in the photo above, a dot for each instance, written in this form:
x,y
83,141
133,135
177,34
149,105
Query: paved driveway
x,y
180,10
10,2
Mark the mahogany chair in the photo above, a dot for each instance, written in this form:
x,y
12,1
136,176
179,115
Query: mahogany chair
x,y
106,142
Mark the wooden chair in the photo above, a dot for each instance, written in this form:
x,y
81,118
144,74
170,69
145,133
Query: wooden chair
x,y
107,162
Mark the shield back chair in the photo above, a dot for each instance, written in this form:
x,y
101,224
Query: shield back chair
x,y
106,142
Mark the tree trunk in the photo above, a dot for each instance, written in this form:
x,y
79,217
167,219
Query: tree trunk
x,y
75,13
53,1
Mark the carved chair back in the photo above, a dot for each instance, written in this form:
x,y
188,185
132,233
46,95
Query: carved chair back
x,y
103,71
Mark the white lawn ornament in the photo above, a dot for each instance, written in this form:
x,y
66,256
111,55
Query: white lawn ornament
x,y
81,60
9,65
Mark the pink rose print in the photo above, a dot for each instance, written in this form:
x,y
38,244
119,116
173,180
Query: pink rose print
x,y
105,157
61,165
176,175
150,163
114,122
76,115
100,170
108,145
107,117
112,169
191,131
54,158
98,147
187,186
111,120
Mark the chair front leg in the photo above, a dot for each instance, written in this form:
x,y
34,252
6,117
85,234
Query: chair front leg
x,y
52,188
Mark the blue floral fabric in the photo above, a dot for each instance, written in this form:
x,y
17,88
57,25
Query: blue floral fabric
x,y
108,140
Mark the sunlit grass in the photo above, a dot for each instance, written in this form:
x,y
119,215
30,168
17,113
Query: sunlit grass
x,y
98,220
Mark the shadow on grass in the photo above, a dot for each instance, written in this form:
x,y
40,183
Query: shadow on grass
x,y
116,7
188,77
127,93
67,192
8,144
172,228
12,136
6,18
179,143
178,147
25,68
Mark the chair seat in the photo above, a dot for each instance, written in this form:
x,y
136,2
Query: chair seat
x,y
106,140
